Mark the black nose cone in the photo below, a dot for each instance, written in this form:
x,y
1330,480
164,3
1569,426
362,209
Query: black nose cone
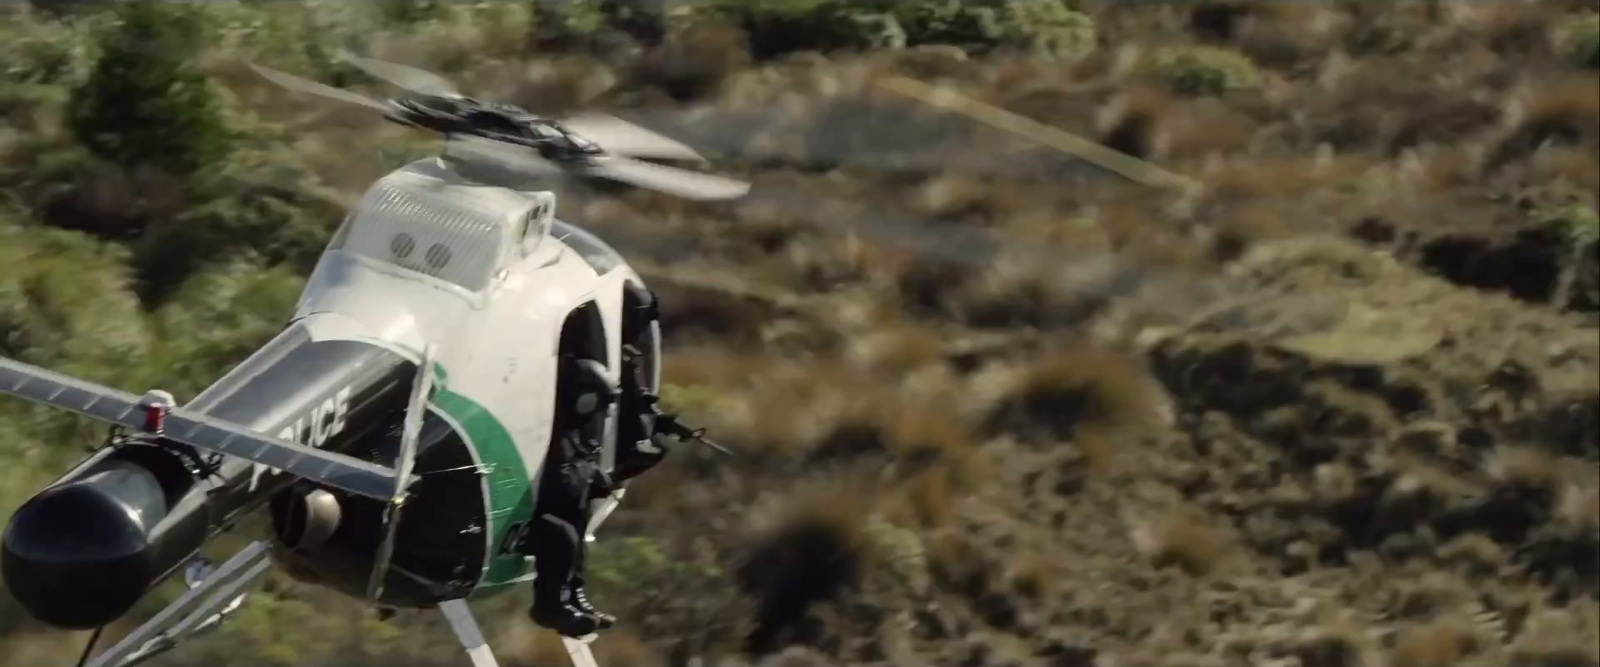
x,y
76,556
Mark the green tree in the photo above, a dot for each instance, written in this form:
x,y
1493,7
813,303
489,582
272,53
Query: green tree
x,y
146,103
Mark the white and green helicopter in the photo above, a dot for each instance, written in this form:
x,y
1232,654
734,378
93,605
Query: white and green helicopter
x,y
396,429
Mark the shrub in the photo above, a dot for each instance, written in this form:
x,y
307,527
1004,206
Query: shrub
x,y
1206,71
1578,41
1077,391
777,27
575,24
1051,30
146,102
1046,28
819,549
1575,223
41,52
952,22
409,11
65,302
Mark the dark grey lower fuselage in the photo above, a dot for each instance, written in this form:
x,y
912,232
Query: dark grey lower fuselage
x,y
139,512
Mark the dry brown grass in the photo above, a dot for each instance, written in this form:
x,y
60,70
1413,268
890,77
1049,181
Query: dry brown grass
x,y
1130,119
927,498
524,646
1440,169
1286,36
1197,130
1527,467
1436,644
1576,167
693,63
964,197
923,436
897,350
1560,637
1077,390
1188,539
1562,110
1036,575
1281,177
1579,508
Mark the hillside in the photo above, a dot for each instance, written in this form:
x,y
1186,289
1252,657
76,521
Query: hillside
x,y
1315,381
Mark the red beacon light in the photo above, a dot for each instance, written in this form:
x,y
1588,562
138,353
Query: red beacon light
x,y
156,404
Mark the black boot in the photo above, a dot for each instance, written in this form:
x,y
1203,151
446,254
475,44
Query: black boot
x,y
554,568
553,609
580,599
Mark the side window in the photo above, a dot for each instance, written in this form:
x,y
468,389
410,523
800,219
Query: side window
x,y
536,225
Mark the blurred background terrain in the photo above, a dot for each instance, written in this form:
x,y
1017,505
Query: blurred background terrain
x,y
1328,399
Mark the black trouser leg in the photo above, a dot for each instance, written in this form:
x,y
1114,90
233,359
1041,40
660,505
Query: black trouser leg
x,y
557,559
559,529
557,536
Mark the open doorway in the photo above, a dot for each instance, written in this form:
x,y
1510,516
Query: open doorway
x,y
641,334
583,336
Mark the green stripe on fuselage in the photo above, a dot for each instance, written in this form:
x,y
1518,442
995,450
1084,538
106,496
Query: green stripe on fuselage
x,y
510,495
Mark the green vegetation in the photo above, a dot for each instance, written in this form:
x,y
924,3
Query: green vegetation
x,y
1576,223
1047,28
146,102
1578,41
1206,71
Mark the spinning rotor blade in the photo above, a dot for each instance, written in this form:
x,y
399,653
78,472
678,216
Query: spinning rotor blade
x,y
407,77
296,83
673,181
508,156
678,182
620,137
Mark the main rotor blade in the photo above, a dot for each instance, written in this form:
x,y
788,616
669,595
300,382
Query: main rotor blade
x,y
678,182
477,151
620,137
407,77
296,83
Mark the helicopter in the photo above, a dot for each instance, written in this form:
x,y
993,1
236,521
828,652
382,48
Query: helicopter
x,y
395,429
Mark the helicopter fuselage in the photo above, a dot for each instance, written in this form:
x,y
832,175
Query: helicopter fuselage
x,y
496,330
487,278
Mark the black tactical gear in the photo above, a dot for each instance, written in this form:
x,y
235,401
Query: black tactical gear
x,y
571,472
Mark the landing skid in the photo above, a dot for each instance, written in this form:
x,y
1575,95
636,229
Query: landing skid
x,y
466,628
208,602
578,651
215,594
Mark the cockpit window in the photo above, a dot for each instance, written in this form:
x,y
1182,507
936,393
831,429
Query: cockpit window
x,y
425,232
600,256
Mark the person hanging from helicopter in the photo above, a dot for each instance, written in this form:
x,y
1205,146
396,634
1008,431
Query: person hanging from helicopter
x,y
573,476
643,428
571,473
640,443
